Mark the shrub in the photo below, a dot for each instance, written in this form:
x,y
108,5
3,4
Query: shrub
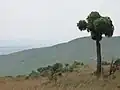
x,y
105,63
117,61
82,63
34,74
57,67
71,68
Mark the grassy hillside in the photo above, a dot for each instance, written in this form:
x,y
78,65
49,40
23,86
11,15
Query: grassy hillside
x,y
79,79
79,49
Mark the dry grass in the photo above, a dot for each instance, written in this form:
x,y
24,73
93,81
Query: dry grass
x,y
81,80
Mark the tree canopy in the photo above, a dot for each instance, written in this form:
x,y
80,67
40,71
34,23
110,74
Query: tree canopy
x,y
97,25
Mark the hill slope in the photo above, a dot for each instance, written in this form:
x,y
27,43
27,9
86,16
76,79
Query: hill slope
x,y
79,49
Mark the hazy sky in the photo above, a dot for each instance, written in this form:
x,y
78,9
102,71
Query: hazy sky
x,y
53,20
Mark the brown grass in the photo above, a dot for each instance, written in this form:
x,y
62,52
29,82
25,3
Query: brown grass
x,y
81,80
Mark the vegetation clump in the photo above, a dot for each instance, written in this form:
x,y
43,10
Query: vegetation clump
x,y
54,71
98,26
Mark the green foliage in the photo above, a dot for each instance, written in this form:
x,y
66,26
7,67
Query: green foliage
x,y
104,26
34,74
40,69
52,72
57,67
82,25
82,64
66,65
117,61
90,19
71,69
19,77
76,63
66,68
9,77
97,25
93,16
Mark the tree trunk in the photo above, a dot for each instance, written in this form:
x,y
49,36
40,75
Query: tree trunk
x,y
98,49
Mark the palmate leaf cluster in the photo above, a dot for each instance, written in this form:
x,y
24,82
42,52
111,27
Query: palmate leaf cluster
x,y
97,25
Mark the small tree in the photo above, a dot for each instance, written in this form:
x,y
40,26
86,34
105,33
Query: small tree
x,y
40,69
77,63
66,67
117,61
33,74
71,68
57,67
82,63
97,25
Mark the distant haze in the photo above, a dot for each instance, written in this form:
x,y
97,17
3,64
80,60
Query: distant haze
x,y
10,46
81,49
52,20
28,24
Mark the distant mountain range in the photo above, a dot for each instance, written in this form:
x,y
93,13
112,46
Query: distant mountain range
x,y
10,46
82,49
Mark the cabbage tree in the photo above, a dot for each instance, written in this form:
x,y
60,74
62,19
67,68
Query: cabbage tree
x,y
97,26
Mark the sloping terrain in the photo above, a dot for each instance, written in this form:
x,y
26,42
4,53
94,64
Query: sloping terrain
x,y
81,80
79,49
